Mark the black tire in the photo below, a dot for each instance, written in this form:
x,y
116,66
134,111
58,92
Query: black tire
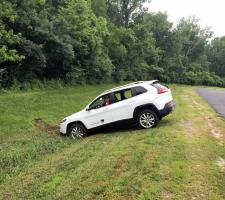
x,y
77,131
147,119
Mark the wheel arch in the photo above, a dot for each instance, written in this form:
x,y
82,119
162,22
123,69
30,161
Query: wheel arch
x,y
75,122
143,107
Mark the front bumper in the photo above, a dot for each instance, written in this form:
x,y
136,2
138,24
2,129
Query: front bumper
x,y
63,127
168,108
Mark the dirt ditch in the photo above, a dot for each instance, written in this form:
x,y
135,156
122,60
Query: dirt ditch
x,y
45,127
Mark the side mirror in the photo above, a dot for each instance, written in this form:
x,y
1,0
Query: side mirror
x,y
88,108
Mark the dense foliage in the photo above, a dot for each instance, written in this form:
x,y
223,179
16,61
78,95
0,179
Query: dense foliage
x,y
84,41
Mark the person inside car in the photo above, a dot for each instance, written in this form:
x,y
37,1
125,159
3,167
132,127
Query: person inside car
x,y
106,101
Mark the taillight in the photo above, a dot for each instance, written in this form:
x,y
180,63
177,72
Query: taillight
x,y
162,90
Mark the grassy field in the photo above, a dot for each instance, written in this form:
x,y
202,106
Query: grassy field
x,y
183,158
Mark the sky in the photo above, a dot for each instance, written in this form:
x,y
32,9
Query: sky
x,y
211,13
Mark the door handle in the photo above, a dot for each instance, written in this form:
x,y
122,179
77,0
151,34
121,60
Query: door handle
x,y
132,101
102,120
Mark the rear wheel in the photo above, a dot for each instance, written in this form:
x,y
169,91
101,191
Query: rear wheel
x,y
147,119
77,131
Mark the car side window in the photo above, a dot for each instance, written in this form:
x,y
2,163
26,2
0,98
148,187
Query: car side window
x,y
97,103
122,95
138,90
128,94
102,101
117,97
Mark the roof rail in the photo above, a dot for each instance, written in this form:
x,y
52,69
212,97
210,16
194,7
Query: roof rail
x,y
123,86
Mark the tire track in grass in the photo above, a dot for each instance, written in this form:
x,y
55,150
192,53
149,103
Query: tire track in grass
x,y
209,117
221,163
198,185
193,181
43,169
217,129
196,163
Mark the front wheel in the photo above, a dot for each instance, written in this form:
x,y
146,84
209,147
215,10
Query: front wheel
x,y
147,119
77,131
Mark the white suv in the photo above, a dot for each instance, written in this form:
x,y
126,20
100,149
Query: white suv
x,y
143,102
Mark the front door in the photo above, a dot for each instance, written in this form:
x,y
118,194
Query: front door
x,y
99,113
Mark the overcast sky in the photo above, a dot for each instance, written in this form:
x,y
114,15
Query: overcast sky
x,y
210,12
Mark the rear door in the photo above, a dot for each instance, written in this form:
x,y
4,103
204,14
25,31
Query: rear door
x,y
122,108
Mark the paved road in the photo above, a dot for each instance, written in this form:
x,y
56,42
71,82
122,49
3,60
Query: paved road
x,y
216,98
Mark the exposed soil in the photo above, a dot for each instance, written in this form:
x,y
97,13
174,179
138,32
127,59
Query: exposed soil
x,y
216,132
190,128
221,163
44,126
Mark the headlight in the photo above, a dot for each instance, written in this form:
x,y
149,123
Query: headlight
x,y
63,120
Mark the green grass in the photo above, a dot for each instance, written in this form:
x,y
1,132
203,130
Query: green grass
x,y
176,160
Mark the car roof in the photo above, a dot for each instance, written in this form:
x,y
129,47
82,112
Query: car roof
x,y
138,83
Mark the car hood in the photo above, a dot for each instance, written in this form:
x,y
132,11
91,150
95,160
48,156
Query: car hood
x,y
75,116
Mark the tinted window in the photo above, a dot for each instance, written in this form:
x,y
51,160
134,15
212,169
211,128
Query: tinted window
x,y
138,90
117,96
97,104
127,94
122,95
101,102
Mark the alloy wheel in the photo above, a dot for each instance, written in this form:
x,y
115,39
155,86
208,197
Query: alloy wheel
x,y
147,120
77,132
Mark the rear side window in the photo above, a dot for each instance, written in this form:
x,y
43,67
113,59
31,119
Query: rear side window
x,y
127,94
117,96
122,95
138,90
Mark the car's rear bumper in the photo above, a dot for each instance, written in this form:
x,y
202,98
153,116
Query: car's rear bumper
x,y
168,108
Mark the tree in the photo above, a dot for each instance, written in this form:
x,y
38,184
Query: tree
x,y
8,39
33,59
159,28
190,42
193,39
133,53
216,55
122,11
91,41
7,36
77,25
99,7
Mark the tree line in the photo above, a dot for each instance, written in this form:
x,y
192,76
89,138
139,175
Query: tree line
x,y
94,41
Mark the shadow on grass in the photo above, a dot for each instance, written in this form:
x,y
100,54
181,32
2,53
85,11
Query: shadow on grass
x,y
124,127
111,129
121,127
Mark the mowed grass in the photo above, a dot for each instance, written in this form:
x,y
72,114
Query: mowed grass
x,y
180,159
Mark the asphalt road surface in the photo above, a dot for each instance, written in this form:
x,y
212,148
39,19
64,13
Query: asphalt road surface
x,y
216,98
